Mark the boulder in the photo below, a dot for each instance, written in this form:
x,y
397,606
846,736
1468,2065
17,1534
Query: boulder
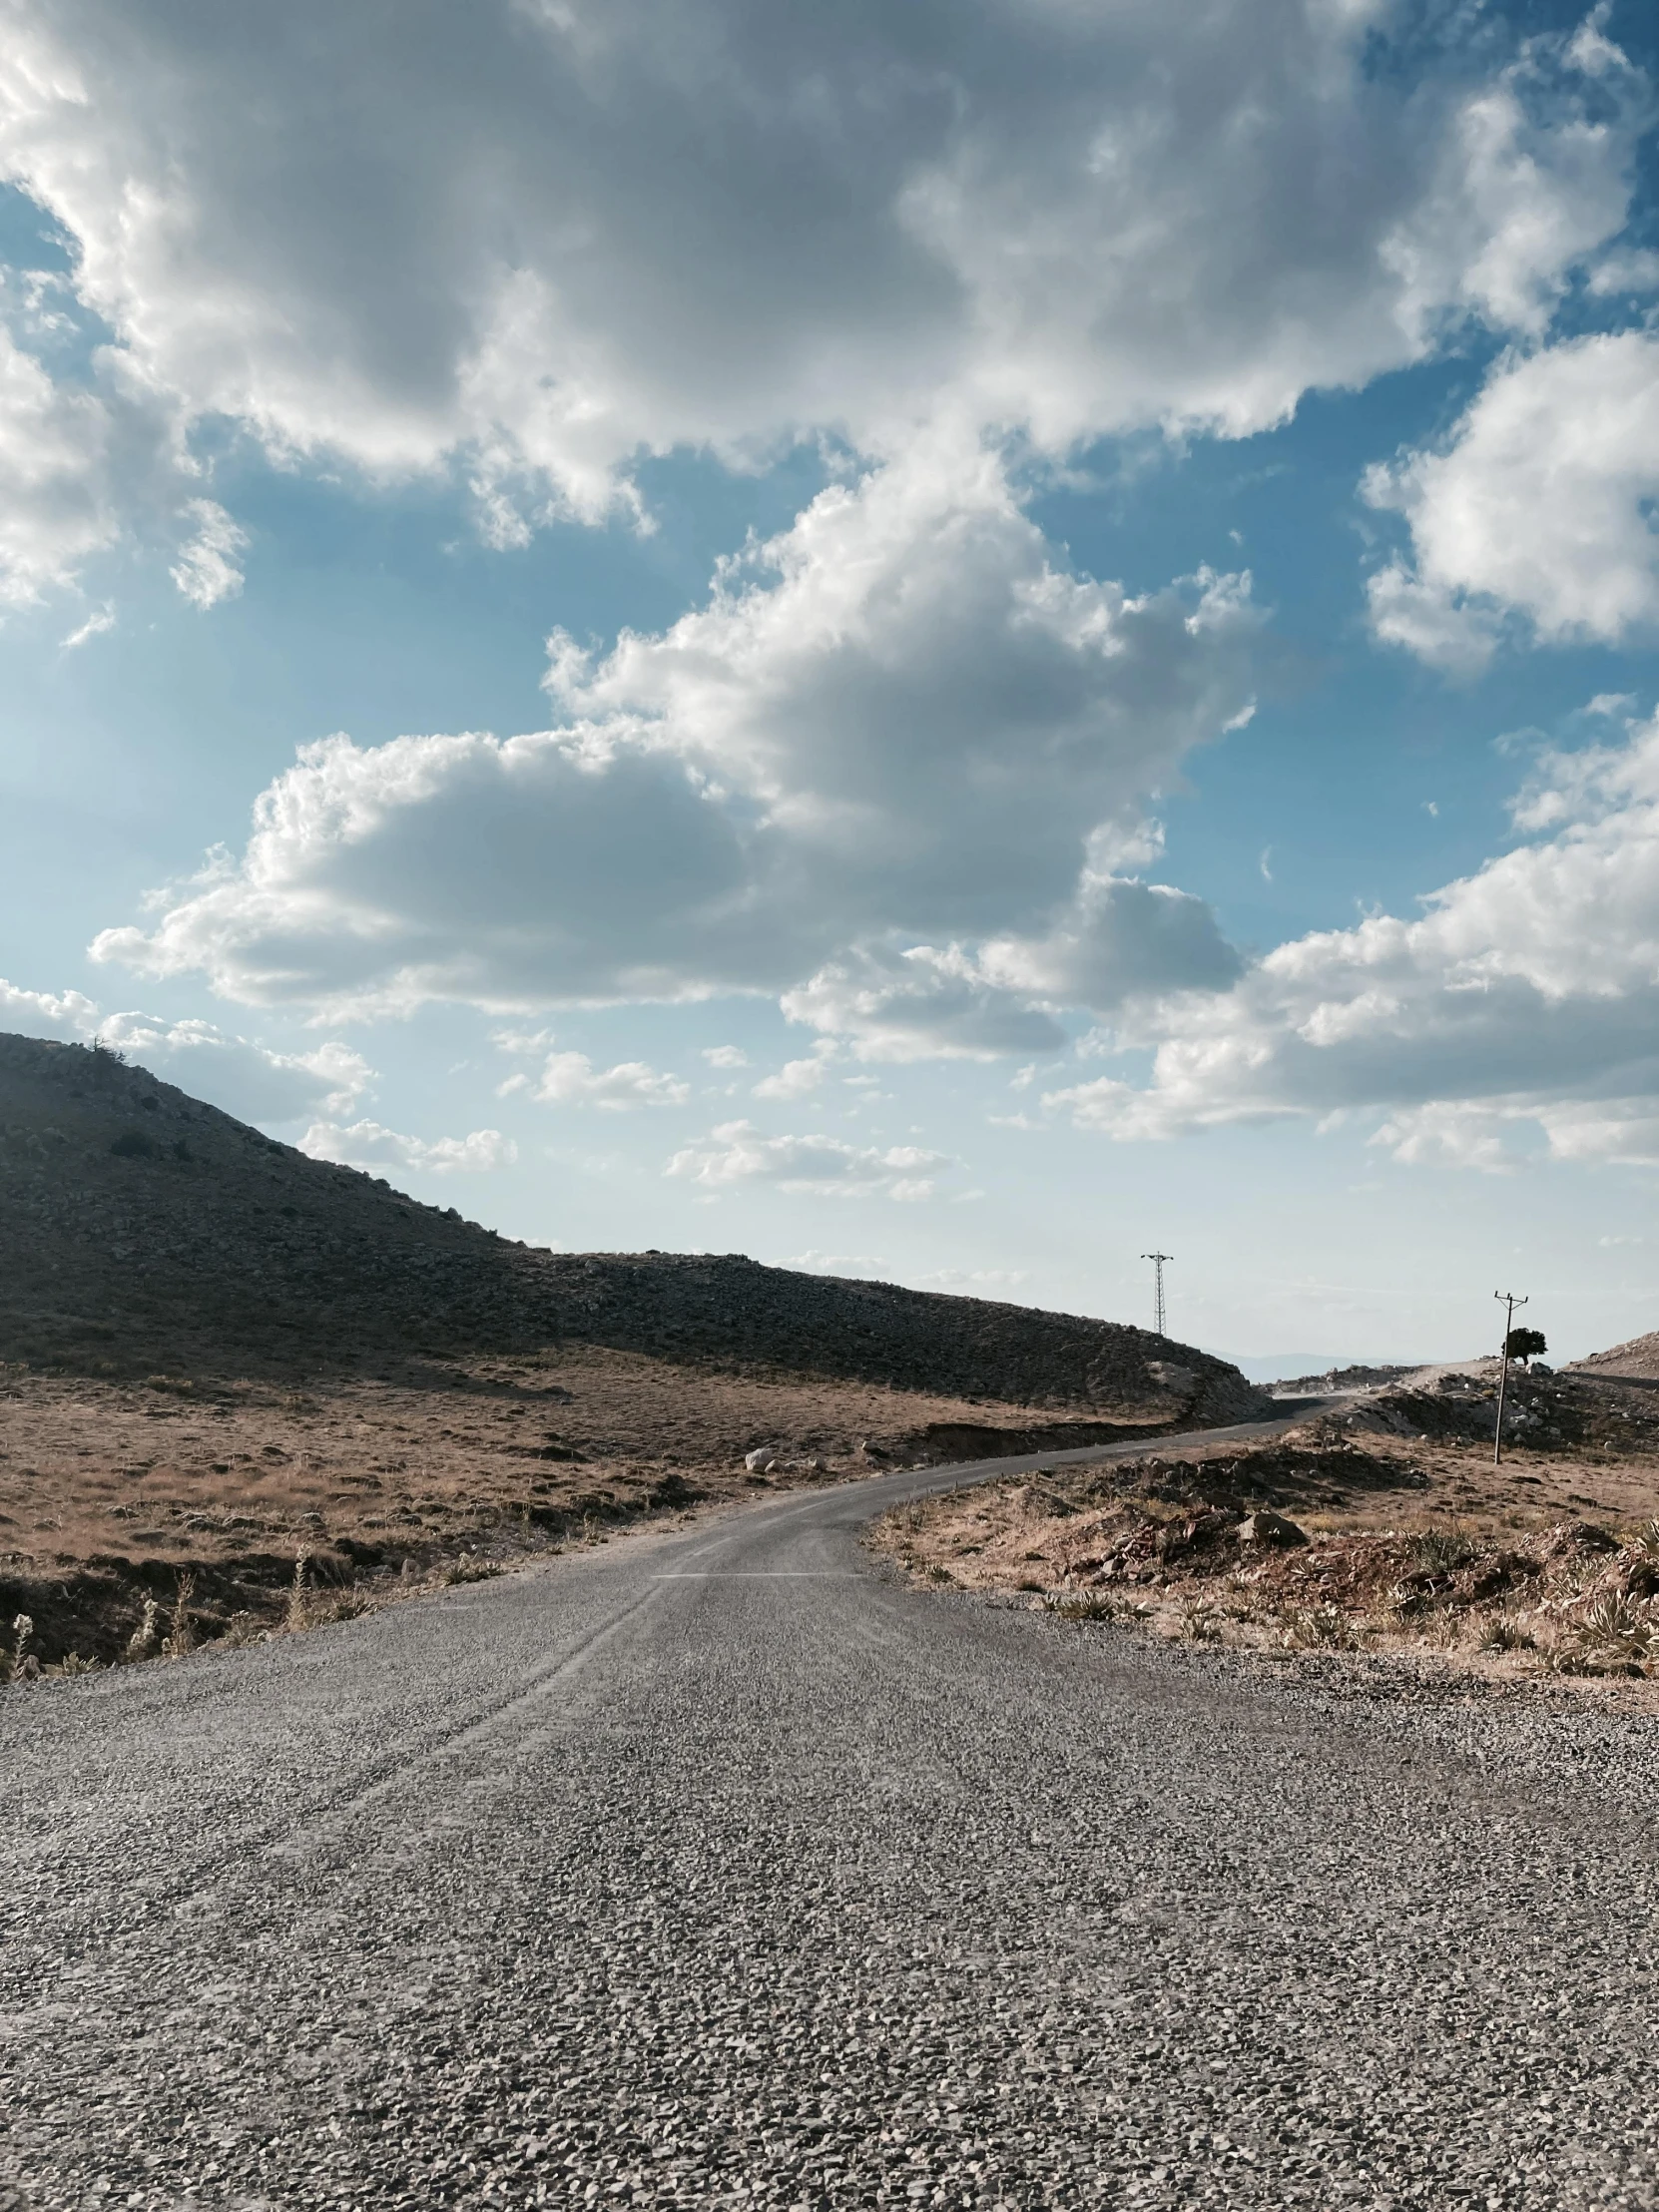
x,y
1263,1527
1170,1375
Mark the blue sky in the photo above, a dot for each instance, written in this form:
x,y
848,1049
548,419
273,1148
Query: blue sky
x,y
945,646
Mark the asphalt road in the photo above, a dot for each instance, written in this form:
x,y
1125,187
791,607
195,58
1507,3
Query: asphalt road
x,y
712,1867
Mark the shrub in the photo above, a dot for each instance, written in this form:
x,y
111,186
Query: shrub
x,y
1321,1628
1443,1550
1092,1606
1502,1632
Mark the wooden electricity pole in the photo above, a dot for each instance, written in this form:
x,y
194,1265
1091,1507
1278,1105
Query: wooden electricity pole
x,y
1509,1300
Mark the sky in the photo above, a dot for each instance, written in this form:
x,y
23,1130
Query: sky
x,y
953,643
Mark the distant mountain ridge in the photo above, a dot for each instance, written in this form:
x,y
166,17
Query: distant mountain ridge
x,y
143,1229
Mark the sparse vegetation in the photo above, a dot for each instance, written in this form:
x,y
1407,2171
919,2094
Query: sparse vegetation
x,y
1438,1550
1409,1545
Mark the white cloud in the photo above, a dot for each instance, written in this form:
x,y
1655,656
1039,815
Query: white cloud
x,y
736,1153
47,1014
538,241
96,625
1522,1007
233,1073
897,722
726,1056
838,1263
244,1078
206,570
1116,940
571,1079
366,1144
1538,505
796,1077
56,507
977,1279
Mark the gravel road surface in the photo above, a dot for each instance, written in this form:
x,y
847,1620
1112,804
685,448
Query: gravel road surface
x,y
713,1866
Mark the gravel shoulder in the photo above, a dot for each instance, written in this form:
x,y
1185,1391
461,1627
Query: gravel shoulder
x,y
719,1867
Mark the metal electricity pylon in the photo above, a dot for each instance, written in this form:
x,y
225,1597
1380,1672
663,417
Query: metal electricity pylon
x,y
1509,1300
1159,1261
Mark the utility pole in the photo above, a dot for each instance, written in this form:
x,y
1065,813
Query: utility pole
x,y
1509,1300
1159,1261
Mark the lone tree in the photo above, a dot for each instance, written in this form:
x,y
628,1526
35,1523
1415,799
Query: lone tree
x,y
1525,1343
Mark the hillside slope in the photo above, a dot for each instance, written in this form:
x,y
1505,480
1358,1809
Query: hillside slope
x,y
143,1229
1635,1362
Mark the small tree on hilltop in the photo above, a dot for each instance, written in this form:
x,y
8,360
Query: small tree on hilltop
x,y
1526,1345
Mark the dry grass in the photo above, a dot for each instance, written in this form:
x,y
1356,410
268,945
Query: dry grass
x,y
290,1505
1545,1567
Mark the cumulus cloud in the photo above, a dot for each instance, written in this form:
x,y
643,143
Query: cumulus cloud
x,y
796,1077
725,1057
366,1144
571,1079
1538,505
735,1154
1521,1008
47,1014
244,1078
241,1077
532,241
895,725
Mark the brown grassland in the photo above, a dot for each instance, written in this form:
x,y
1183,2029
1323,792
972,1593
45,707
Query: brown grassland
x,y
114,1492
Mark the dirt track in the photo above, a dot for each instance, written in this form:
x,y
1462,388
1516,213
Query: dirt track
x,y
711,1868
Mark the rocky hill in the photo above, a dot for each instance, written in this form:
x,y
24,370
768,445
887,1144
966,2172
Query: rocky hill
x,y
1635,1362
145,1231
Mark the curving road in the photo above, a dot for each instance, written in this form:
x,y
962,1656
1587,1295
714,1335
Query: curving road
x,y
712,1867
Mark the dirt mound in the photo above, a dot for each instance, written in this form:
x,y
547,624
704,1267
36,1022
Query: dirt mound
x,y
145,1231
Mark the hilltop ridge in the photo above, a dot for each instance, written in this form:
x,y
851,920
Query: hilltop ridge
x,y
147,1230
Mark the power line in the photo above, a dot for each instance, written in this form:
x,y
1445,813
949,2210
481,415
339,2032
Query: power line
x,y
1159,1261
1509,1300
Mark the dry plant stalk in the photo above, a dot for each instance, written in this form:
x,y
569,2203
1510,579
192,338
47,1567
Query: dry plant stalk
x,y
22,1629
181,1636
299,1614
142,1642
